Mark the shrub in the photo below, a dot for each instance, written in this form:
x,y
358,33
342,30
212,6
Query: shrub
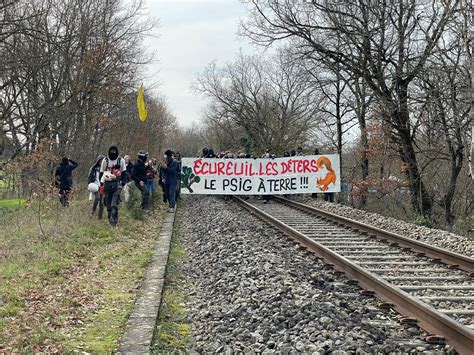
x,y
421,221
133,204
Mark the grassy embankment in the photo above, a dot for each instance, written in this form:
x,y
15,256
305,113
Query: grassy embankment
x,y
173,333
68,280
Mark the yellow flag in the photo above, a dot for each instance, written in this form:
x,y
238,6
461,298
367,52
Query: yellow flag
x,y
142,111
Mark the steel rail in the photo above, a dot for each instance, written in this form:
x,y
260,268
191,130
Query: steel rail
x,y
459,336
448,257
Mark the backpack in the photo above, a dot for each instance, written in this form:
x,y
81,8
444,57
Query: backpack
x,y
114,169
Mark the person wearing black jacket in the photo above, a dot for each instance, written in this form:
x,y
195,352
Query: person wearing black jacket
x,y
139,175
63,176
128,168
177,157
171,172
161,181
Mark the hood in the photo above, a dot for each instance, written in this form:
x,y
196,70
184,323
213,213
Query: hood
x,y
99,158
113,146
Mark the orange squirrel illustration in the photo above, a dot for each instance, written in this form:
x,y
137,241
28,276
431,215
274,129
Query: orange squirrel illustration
x,y
323,183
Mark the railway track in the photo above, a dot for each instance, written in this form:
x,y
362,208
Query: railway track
x,y
428,285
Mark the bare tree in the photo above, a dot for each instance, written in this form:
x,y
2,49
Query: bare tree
x,y
272,101
66,71
446,109
386,43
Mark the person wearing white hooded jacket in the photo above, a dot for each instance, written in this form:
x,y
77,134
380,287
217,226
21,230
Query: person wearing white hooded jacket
x,y
112,180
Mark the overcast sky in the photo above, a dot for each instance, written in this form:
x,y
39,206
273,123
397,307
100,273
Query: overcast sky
x,y
192,33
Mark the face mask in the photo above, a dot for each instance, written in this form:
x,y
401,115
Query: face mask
x,y
113,155
142,158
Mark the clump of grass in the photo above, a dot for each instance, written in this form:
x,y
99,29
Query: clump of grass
x,y
422,221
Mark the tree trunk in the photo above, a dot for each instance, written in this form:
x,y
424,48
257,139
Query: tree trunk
x,y
364,161
420,199
339,121
449,196
361,111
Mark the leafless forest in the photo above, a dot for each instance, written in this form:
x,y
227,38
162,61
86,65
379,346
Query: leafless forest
x,y
386,84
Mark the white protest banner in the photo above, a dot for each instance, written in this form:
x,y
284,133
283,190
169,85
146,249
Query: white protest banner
x,y
294,175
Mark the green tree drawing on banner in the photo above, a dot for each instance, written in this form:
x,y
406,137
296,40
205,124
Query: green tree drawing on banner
x,y
188,178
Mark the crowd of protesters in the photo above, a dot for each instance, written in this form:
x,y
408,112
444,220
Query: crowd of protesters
x,y
110,175
209,153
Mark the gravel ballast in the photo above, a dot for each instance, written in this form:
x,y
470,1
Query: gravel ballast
x,y
252,289
443,239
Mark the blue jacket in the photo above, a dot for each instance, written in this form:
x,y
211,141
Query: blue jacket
x,y
171,173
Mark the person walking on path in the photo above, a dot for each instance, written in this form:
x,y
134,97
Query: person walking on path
x,y
139,175
170,171
63,176
94,178
177,157
112,179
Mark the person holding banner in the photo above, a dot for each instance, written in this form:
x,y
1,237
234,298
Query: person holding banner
x,y
177,157
314,195
329,196
211,154
259,177
269,155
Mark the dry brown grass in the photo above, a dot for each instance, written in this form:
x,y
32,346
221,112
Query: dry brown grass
x,y
68,280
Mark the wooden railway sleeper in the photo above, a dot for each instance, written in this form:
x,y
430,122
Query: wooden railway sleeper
x,y
386,305
435,339
408,320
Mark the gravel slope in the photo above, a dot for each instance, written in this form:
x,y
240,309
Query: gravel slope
x,y
440,238
254,290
